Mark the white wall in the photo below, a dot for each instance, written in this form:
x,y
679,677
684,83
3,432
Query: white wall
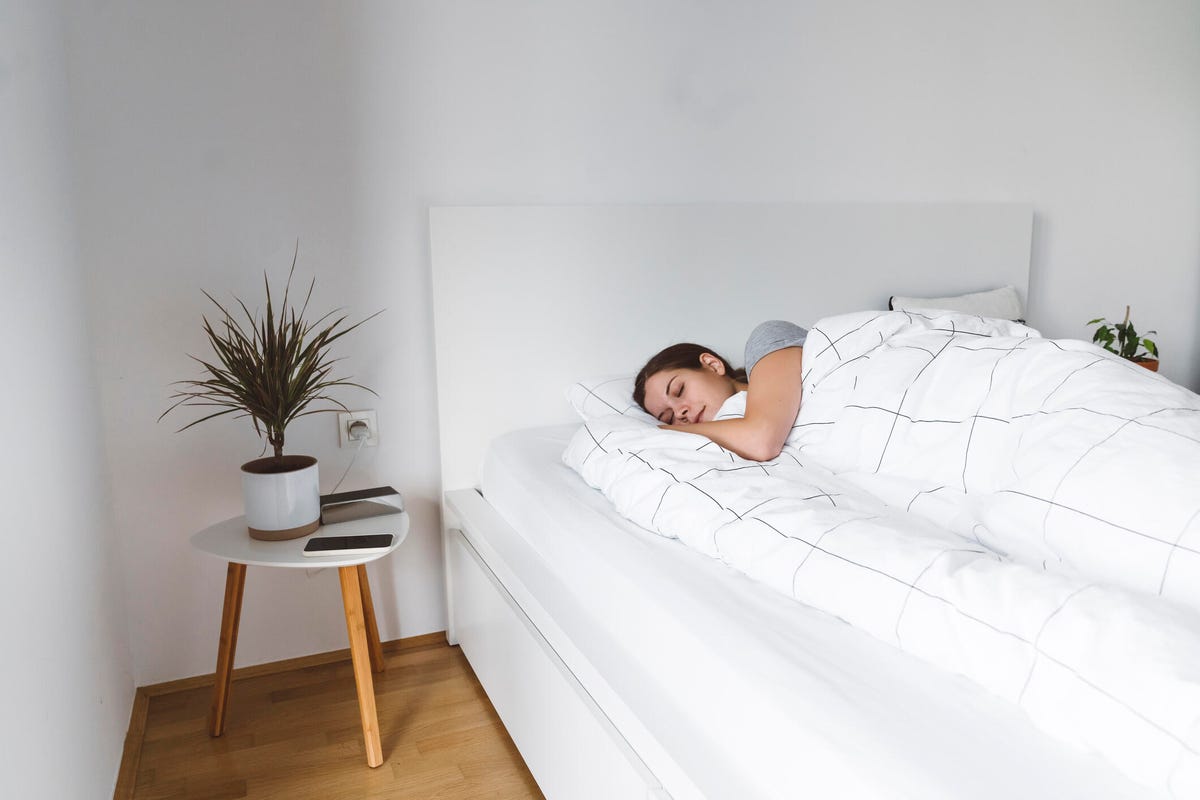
x,y
66,667
1089,111
212,135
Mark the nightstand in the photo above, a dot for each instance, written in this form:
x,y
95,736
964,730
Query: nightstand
x,y
229,541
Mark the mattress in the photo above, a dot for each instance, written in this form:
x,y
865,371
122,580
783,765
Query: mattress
x,y
750,693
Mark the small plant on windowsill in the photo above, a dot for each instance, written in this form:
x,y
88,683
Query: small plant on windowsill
x,y
1122,339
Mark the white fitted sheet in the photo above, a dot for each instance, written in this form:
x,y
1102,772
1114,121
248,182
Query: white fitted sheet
x,y
752,693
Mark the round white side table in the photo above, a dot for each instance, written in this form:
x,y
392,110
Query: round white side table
x,y
229,541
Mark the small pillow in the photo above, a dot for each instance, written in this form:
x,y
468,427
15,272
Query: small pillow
x,y
1000,303
603,397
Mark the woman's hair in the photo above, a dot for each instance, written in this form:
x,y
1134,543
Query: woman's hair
x,y
684,355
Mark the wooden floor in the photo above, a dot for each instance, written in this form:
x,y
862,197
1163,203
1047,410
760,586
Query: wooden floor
x,y
297,735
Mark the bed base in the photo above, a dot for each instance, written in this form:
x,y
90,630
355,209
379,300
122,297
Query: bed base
x,y
578,739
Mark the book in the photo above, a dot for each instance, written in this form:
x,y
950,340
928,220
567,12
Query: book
x,y
362,511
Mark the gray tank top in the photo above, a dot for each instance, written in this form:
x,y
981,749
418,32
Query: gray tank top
x,y
770,336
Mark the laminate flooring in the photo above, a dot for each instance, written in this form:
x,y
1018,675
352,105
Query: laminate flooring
x,y
296,735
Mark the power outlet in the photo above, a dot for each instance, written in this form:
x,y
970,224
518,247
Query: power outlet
x,y
347,418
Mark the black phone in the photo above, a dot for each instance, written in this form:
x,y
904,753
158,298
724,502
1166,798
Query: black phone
x,y
347,545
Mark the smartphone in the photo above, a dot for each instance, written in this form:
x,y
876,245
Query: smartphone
x,y
347,545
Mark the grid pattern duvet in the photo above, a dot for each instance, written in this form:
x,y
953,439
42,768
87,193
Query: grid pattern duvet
x,y
1018,510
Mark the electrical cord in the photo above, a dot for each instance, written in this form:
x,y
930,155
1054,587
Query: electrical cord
x,y
360,431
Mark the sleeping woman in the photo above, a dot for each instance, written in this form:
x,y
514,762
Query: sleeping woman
x,y
685,385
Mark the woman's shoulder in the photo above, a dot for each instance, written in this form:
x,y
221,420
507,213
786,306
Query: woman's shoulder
x,y
772,335
778,329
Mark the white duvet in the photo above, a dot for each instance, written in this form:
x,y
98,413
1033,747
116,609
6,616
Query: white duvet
x,y
1018,510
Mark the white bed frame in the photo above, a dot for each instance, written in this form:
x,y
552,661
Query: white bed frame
x,y
529,299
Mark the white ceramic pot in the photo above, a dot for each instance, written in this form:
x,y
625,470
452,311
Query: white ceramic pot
x,y
282,496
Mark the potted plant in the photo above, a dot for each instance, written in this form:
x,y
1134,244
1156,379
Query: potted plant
x,y
1122,339
272,370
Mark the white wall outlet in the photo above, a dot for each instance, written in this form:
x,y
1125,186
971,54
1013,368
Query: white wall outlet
x,y
347,418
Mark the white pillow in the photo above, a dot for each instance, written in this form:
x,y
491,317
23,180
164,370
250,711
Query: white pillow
x,y
1003,303
603,397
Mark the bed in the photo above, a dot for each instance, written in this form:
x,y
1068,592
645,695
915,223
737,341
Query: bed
x,y
622,664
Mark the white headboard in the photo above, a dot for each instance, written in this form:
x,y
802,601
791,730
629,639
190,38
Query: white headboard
x,y
529,299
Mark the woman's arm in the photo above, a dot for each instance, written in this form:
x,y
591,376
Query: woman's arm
x,y
772,403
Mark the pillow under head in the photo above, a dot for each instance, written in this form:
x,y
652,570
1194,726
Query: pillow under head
x,y
602,397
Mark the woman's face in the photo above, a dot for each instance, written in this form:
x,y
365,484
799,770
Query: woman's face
x,y
685,396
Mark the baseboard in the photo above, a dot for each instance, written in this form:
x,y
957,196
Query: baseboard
x,y
127,775
315,660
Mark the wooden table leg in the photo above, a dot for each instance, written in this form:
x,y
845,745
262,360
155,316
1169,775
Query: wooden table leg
x,y
360,657
369,615
235,582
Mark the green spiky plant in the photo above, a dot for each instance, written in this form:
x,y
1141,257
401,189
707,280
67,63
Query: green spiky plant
x,y
1122,339
270,370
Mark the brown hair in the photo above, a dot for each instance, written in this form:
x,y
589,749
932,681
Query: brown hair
x,y
684,355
